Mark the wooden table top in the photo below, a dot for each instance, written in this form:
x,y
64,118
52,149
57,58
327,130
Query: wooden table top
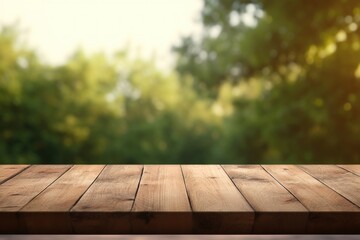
x,y
179,199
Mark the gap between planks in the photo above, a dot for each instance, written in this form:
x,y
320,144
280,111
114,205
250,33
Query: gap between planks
x,y
22,168
332,183
70,166
137,189
87,188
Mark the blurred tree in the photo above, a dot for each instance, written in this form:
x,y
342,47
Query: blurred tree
x,y
304,55
268,81
96,109
244,37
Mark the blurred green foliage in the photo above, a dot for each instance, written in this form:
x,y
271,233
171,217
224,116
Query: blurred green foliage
x,y
95,109
266,82
294,70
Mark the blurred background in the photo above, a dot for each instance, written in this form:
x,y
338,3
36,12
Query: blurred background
x,y
248,81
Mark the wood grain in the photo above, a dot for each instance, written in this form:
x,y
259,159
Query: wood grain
x,y
161,198
335,177
21,189
271,201
8,171
217,204
49,211
329,211
188,199
105,207
352,168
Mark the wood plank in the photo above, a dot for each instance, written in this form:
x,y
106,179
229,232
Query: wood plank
x,y
8,171
49,211
352,168
180,199
105,207
19,190
335,177
329,211
217,204
162,198
270,200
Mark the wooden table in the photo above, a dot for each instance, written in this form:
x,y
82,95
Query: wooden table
x,y
179,199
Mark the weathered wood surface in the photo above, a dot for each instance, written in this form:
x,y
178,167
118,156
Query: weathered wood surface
x,y
179,199
8,171
217,205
